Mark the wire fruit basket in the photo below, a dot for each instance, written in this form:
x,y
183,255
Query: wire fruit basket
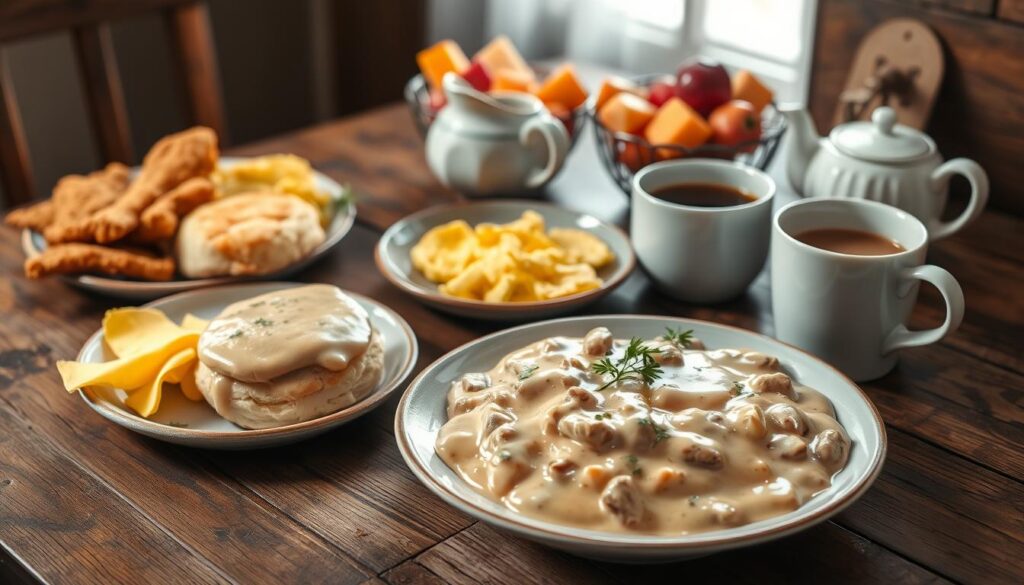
x,y
624,154
417,95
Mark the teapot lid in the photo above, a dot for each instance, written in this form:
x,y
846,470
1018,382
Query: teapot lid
x,y
881,139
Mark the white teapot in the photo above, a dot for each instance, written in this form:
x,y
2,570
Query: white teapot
x,y
483,144
883,161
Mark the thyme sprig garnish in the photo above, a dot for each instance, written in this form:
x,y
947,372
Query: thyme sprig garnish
x,y
660,432
679,337
527,372
637,363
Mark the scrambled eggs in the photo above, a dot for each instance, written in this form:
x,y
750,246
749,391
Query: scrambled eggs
x,y
151,349
510,262
286,174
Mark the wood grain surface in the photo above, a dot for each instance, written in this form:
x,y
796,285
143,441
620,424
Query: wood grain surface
x,y
86,501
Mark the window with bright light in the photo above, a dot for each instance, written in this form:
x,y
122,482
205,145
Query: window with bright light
x,y
769,28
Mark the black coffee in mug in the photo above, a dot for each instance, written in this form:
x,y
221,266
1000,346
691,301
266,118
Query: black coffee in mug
x,y
703,195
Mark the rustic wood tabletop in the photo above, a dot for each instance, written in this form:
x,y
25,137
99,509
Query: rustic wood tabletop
x,y
85,501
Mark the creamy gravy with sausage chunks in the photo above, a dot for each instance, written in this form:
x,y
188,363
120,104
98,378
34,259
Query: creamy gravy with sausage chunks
x,y
658,436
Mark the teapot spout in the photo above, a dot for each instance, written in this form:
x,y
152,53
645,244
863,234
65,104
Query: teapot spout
x,y
801,144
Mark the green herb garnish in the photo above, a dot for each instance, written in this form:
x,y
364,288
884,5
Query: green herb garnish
x,y
504,455
637,363
237,333
633,462
602,416
263,322
693,500
737,388
527,372
660,433
679,337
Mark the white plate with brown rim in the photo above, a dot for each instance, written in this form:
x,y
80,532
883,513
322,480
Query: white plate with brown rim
x,y
342,219
394,246
196,424
422,412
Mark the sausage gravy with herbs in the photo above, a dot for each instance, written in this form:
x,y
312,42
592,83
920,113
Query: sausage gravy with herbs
x,y
658,436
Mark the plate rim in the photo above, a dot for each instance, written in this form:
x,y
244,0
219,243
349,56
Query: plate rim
x,y
552,532
613,282
119,286
145,426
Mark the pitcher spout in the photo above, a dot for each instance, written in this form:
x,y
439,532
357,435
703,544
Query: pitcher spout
x,y
802,143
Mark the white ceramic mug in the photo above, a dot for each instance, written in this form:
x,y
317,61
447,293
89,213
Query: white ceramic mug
x,y
848,309
701,254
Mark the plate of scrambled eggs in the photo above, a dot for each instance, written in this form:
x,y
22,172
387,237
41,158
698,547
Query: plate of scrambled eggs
x,y
504,260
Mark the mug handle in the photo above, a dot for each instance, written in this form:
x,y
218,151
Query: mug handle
x,y
901,337
557,140
979,194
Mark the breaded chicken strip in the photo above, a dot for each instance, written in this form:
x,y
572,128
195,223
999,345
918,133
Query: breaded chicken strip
x,y
160,220
173,160
77,258
77,197
34,217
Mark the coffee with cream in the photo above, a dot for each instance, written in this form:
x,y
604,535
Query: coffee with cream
x,y
854,242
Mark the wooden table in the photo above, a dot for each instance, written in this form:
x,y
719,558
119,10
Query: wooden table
x,y
82,500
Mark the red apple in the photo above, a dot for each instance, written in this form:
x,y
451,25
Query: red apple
x,y
660,92
704,85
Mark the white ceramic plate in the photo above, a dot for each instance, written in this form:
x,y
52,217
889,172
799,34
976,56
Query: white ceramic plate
x,y
196,424
392,257
422,412
33,243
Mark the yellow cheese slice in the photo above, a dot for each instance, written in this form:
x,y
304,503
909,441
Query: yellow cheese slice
x,y
127,372
146,400
193,323
188,384
132,331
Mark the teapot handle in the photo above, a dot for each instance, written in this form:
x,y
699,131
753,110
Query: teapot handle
x,y
557,141
976,176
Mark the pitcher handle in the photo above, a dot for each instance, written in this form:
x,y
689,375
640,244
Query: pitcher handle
x,y
979,194
901,337
557,141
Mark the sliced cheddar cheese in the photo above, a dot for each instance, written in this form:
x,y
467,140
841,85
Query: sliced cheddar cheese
x,y
747,87
677,123
563,87
501,55
626,112
443,57
146,399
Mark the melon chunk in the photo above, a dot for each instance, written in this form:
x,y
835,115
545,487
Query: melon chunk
x,y
501,55
626,112
563,87
677,123
747,87
612,86
443,57
510,80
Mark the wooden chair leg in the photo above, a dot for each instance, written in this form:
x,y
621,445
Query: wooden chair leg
x,y
102,84
192,40
15,163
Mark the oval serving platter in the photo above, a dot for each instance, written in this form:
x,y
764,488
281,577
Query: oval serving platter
x,y
33,243
196,424
422,411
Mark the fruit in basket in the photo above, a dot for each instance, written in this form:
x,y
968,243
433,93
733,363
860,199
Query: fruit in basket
x,y
631,156
747,87
500,55
564,116
437,99
660,92
627,113
441,58
478,77
511,80
703,85
736,122
677,123
612,86
562,87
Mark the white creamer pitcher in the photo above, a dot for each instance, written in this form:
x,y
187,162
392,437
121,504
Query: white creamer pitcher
x,y
492,144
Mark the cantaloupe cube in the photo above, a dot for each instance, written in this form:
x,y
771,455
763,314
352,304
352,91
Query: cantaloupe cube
x,y
501,55
677,123
443,57
510,80
563,87
747,87
612,86
626,112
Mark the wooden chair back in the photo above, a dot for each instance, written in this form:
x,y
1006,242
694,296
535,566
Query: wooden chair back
x,y
188,25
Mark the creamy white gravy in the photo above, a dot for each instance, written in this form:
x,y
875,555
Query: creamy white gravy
x,y
262,338
721,439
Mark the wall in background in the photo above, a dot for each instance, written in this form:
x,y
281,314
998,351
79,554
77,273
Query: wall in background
x,y
980,109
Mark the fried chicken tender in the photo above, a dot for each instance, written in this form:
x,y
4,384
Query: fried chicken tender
x,y
34,217
160,220
77,197
78,258
173,160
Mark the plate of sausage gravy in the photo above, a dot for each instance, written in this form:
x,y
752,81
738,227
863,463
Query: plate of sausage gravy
x,y
640,438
